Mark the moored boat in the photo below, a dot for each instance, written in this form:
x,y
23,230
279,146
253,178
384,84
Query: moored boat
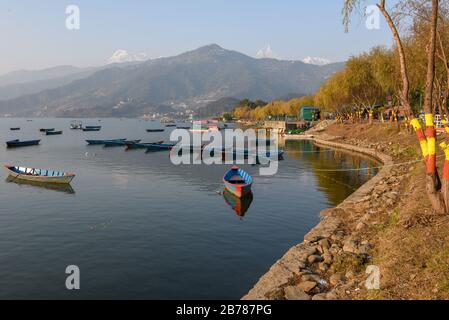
x,y
131,146
102,142
46,130
15,129
155,130
159,147
39,175
17,143
119,143
171,125
238,182
92,129
53,133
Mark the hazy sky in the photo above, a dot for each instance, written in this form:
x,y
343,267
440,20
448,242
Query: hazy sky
x,y
34,36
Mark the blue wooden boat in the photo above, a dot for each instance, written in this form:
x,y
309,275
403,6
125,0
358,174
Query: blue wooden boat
x,y
17,143
102,142
130,146
155,130
39,175
91,129
46,130
119,143
159,147
53,133
238,182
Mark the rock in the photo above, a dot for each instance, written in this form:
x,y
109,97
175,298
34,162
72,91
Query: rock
x,y
295,293
331,296
325,244
336,279
315,239
323,267
320,297
350,246
314,259
302,265
311,277
328,258
307,286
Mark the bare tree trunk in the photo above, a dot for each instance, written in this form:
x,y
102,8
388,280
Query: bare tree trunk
x,y
433,182
404,95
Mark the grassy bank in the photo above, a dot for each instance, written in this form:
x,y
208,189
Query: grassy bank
x,y
388,223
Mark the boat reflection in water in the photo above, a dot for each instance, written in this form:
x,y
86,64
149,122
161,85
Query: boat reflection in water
x,y
64,188
239,205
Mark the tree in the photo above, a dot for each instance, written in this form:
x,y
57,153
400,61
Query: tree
x,y
438,194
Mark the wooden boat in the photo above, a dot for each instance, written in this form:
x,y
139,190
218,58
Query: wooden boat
x,y
119,143
101,142
170,125
239,205
15,129
39,175
184,127
132,146
238,182
46,130
155,130
53,133
91,129
159,147
17,143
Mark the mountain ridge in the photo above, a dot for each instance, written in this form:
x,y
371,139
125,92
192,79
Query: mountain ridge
x,y
189,80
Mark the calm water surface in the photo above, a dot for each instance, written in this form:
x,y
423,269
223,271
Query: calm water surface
x,y
139,227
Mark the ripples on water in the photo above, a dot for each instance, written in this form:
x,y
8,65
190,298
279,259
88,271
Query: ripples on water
x,y
139,227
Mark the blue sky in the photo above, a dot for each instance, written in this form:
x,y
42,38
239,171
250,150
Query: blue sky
x,y
34,36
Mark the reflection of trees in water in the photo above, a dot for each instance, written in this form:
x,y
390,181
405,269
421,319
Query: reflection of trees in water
x,y
333,169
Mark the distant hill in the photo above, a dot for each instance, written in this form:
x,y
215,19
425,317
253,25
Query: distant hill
x,y
218,107
193,80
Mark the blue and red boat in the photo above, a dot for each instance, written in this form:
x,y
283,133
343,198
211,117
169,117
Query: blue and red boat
x,y
238,182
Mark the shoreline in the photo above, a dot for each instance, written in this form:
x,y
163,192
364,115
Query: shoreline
x,y
322,244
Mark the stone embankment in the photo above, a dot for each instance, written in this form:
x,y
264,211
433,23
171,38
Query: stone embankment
x,y
331,262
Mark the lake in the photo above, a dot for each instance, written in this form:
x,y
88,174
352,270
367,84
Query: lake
x,y
139,227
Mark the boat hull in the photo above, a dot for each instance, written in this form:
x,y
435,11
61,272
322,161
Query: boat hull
x,y
62,178
102,142
18,144
239,189
159,147
53,133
